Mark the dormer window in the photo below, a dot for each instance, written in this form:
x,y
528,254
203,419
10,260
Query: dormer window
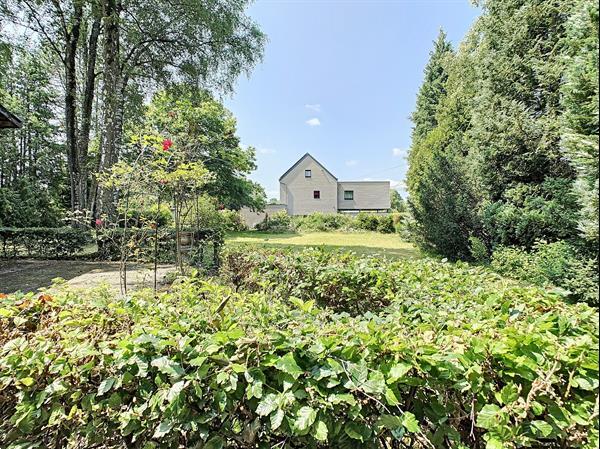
x,y
308,173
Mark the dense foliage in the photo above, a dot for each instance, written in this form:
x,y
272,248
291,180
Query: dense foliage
x,y
207,131
52,243
321,222
457,357
504,126
32,172
555,264
580,103
79,72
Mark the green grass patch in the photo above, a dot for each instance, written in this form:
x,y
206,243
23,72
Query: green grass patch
x,y
369,243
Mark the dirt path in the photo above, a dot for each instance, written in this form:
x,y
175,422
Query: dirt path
x,y
30,275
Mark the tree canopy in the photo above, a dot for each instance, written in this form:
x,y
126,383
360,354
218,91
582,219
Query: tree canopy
x,y
206,131
100,60
515,123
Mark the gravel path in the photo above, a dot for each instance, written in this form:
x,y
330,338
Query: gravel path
x,y
29,275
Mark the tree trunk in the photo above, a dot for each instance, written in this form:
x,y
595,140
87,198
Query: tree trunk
x,y
70,67
86,110
111,89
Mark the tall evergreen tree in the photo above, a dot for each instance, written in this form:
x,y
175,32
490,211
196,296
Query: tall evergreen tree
x,y
580,120
440,200
32,177
515,126
432,90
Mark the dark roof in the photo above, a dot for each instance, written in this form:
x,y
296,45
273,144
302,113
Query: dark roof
x,y
300,160
9,120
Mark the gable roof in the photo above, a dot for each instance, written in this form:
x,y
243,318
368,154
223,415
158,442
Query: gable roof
x,y
9,120
300,160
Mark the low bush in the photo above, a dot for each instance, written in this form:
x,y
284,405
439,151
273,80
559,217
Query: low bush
x,y
320,222
459,358
140,216
232,221
28,203
386,224
278,222
48,243
555,264
138,243
366,221
342,282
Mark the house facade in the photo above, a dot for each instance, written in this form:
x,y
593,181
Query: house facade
x,y
309,187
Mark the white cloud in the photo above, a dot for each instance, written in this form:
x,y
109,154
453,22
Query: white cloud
x,y
313,107
399,152
313,122
351,162
265,151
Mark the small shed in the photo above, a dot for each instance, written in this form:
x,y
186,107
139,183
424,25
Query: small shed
x,y
8,119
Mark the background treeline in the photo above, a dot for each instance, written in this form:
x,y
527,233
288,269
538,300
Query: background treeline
x,y
80,74
505,141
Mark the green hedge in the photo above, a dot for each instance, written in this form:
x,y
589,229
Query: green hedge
x,y
321,222
42,242
458,358
556,264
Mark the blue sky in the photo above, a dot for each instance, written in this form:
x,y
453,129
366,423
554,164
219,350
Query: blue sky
x,y
339,80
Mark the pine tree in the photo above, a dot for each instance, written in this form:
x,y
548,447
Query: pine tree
x,y
441,199
515,127
433,88
580,119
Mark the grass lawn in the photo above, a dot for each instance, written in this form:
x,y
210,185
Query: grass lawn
x,y
359,242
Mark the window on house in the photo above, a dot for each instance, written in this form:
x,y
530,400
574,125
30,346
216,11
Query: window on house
x,y
348,194
316,194
308,173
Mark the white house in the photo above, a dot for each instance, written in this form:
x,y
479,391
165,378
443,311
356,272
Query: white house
x,y
309,187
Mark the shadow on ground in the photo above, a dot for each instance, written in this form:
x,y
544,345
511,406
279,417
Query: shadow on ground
x,y
31,275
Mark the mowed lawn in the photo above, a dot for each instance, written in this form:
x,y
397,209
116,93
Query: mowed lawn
x,y
360,242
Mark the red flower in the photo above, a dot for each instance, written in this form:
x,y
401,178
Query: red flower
x,y
167,143
162,182
98,222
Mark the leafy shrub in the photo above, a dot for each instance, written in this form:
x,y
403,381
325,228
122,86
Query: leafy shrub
x,y
460,358
43,242
139,244
142,216
232,221
344,283
320,222
366,221
479,252
278,222
551,264
386,224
